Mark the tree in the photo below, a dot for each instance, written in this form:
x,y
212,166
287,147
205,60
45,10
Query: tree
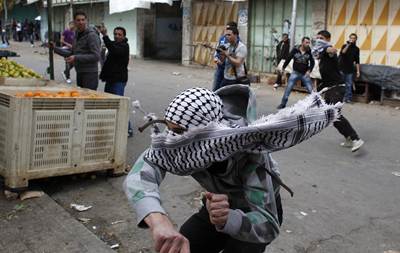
x,y
10,4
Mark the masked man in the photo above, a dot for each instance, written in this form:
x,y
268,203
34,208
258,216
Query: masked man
x,y
215,138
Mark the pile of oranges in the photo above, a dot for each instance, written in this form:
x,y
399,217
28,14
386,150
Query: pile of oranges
x,y
58,94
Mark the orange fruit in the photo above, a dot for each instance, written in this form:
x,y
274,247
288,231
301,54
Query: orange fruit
x,y
28,94
75,94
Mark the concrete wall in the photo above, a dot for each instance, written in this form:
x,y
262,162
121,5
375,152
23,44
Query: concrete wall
x,y
128,20
243,24
318,15
187,49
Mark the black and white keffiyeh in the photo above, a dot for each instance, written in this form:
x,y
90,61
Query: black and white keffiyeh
x,y
207,141
195,107
319,46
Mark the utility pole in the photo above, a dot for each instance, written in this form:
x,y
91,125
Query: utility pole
x,y
5,12
71,10
293,25
50,37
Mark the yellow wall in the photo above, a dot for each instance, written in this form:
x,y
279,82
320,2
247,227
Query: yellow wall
x,y
209,20
377,24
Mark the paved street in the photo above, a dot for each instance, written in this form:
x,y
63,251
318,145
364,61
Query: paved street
x,y
343,202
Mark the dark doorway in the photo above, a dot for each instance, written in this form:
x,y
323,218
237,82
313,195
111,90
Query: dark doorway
x,y
163,32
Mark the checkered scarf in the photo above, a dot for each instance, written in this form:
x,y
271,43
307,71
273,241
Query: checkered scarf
x,y
205,143
195,107
319,46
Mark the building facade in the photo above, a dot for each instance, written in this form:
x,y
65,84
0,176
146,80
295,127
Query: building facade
x,y
377,24
189,29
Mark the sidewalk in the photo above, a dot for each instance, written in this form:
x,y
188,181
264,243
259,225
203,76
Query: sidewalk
x,y
41,225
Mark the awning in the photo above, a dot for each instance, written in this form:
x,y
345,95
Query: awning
x,y
123,5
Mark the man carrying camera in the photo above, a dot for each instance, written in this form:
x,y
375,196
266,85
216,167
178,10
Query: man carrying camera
x,y
349,54
219,72
234,57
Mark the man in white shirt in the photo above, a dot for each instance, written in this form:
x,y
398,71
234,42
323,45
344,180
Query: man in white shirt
x,y
234,56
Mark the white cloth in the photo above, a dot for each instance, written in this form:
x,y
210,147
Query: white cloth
x,y
124,5
314,73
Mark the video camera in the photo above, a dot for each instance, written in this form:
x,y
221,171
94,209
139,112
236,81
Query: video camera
x,y
220,48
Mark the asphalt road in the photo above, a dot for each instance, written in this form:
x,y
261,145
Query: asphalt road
x,y
343,202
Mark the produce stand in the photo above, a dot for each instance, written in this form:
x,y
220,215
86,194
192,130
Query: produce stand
x,y
59,130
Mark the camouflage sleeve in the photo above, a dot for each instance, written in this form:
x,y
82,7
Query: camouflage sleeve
x,y
260,224
142,189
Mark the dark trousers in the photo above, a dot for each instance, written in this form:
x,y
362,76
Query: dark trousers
x,y
279,78
218,77
19,35
342,125
204,238
31,38
4,38
89,80
67,70
117,88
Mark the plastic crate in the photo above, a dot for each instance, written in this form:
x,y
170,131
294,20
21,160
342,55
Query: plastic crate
x,y
46,137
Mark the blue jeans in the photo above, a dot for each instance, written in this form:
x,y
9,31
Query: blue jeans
x,y
348,80
218,77
294,77
117,88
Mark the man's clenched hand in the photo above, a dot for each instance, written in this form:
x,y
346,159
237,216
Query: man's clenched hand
x,y
166,238
218,208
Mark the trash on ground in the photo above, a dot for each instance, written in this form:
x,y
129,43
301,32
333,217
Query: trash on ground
x,y
303,213
19,207
84,220
288,231
117,222
80,208
396,173
114,246
94,227
31,195
176,73
10,195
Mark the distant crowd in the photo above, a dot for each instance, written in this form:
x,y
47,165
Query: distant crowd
x,y
27,30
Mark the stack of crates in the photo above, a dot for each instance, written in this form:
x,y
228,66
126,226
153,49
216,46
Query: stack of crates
x,y
44,137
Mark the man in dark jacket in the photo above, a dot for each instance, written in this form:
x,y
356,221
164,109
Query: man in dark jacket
x,y
333,79
349,55
282,52
85,53
303,63
115,69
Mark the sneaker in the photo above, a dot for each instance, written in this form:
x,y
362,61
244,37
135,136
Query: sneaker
x,y
69,81
357,145
276,85
281,106
348,143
